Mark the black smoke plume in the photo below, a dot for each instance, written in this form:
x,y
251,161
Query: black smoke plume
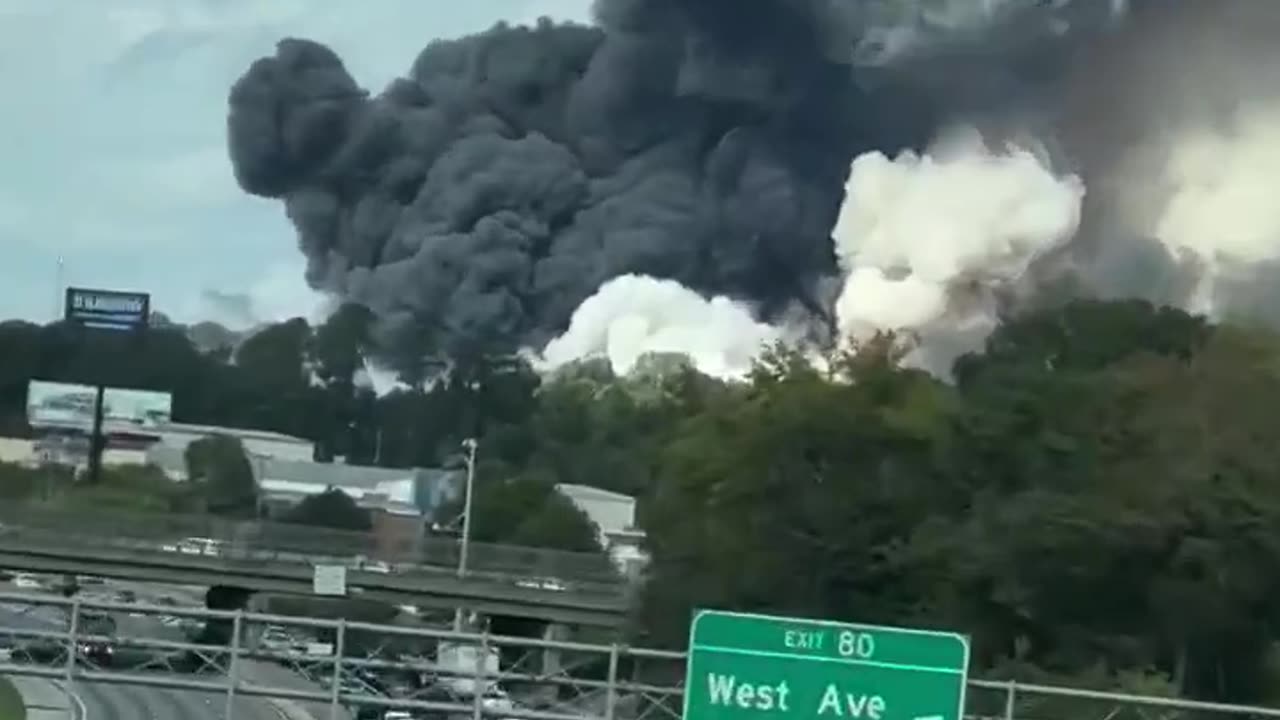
x,y
478,200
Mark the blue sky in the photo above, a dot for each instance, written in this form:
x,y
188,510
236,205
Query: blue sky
x,y
112,148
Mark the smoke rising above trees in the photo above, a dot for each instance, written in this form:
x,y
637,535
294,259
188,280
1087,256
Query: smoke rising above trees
x,y
477,202
485,196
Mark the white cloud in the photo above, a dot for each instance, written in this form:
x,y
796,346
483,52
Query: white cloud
x,y
562,10
113,142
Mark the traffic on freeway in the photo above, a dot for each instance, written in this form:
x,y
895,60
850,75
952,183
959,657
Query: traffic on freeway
x,y
114,701
129,635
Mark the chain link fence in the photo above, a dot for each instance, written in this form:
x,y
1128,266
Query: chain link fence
x,y
340,670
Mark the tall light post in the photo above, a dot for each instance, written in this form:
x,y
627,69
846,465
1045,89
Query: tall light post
x,y
470,446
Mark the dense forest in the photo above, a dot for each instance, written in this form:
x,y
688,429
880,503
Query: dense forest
x,y
1094,496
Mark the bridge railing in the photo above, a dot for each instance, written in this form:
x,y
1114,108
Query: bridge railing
x,y
349,666
302,542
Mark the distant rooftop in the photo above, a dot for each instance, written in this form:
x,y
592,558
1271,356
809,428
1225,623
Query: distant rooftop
x,y
298,478
306,476
586,492
191,429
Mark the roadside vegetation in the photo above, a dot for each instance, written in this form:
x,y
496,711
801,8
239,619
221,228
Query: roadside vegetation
x,y
1094,498
11,707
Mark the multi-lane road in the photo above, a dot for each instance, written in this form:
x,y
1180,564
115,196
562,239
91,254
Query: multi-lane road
x,y
109,701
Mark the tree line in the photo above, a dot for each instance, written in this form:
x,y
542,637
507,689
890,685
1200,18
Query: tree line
x,y
1093,497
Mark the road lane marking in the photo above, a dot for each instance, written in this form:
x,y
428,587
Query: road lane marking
x,y
82,710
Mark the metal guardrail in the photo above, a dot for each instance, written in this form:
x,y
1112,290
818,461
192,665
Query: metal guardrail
x,y
349,669
297,540
343,669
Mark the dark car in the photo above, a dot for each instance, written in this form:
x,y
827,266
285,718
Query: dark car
x,y
98,652
39,652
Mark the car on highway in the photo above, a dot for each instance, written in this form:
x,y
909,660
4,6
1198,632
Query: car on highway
x,y
27,581
98,652
194,546
38,652
98,649
543,584
368,565
496,700
276,639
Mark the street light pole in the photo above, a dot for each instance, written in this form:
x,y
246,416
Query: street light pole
x,y
470,445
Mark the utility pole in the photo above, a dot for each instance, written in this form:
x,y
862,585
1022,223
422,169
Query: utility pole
x,y
97,443
58,292
470,446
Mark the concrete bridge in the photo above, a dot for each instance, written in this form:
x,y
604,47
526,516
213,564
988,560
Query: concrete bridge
x,y
236,560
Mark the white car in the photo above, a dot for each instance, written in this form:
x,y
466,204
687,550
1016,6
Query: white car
x,y
543,584
194,546
378,566
27,581
496,700
276,639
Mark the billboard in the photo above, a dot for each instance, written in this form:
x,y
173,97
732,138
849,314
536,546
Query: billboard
x,y
67,406
107,309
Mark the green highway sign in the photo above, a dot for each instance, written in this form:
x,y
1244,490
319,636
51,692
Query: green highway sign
x,y
745,667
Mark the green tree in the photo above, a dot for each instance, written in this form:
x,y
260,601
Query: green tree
x,y
523,510
339,346
129,489
20,484
219,467
1121,507
272,383
1084,335
19,363
815,478
330,509
276,355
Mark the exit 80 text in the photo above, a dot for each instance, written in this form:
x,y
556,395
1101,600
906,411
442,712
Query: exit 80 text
x,y
848,643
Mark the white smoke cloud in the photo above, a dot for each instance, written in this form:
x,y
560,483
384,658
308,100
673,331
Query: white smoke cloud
x,y
1175,124
633,315
1221,202
924,240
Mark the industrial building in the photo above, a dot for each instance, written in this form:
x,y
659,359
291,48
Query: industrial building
x,y
614,515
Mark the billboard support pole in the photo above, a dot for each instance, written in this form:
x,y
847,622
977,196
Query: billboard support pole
x,y
95,439
104,310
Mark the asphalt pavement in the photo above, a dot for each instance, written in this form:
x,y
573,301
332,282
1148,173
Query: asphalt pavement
x,y
126,702
111,701
46,699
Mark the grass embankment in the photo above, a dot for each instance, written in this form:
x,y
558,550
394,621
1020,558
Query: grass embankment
x,y
11,707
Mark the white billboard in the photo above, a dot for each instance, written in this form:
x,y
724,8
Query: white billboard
x,y
67,406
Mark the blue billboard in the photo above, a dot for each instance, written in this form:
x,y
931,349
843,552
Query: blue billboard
x,y
107,309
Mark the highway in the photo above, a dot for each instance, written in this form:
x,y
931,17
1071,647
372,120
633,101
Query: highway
x,y
104,701
540,593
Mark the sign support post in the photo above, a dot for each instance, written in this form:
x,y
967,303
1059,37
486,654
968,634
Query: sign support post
x,y
109,310
96,441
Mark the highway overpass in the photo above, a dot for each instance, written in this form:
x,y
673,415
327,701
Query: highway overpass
x,y
566,588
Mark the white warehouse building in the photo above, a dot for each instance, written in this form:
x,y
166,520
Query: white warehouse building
x,y
614,515
260,443
127,444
